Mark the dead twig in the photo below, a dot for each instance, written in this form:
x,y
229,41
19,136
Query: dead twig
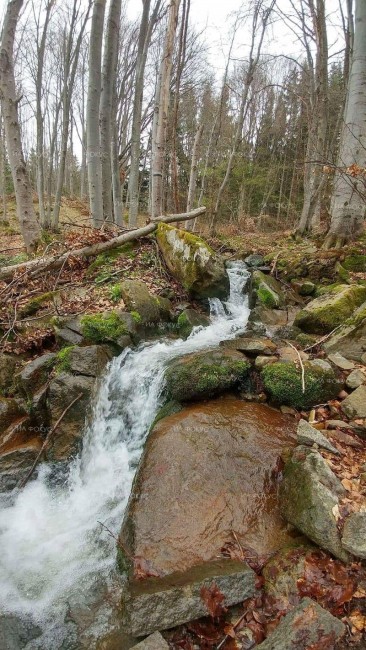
x,y
227,636
47,439
327,336
301,364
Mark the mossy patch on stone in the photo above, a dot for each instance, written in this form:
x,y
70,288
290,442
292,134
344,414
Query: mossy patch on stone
x,y
283,383
355,263
330,310
266,290
35,304
99,328
169,408
63,359
205,374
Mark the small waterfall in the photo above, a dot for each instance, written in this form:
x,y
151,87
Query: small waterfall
x,y
52,547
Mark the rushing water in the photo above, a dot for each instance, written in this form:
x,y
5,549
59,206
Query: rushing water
x,y
51,544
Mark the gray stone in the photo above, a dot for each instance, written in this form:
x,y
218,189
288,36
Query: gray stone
x,y
15,465
9,412
321,363
355,379
268,317
137,298
354,406
262,361
354,534
266,290
16,633
251,346
306,625
254,260
307,435
330,310
308,495
340,361
175,599
89,360
36,373
8,365
350,338
338,424
190,318
153,642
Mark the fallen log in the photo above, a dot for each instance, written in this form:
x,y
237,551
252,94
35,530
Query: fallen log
x,y
56,261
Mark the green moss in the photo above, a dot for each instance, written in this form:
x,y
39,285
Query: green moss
x,y
169,408
283,382
266,297
342,273
330,310
355,263
115,293
63,359
136,317
35,304
100,329
124,563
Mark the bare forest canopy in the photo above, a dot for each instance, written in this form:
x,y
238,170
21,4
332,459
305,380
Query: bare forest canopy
x,y
128,110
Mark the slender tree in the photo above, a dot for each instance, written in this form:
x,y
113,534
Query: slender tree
x,y
28,222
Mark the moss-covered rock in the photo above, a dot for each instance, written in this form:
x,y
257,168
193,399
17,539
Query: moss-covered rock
x,y
103,328
355,262
193,263
149,310
330,310
350,339
266,291
35,304
309,493
8,367
190,318
283,382
36,373
205,374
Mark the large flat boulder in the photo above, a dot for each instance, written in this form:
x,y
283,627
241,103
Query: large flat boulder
x,y
307,626
162,603
205,374
330,310
205,472
193,263
309,496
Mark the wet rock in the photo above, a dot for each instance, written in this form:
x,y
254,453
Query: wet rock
x,y
283,382
36,373
193,263
354,406
163,603
8,366
330,310
254,260
307,435
153,642
190,318
63,389
307,625
16,463
16,633
355,379
89,360
10,411
266,291
282,572
251,346
206,471
354,534
309,493
340,361
138,300
205,374
269,317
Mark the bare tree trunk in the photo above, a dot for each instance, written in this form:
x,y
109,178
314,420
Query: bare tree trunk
x,y
93,136
145,32
348,203
193,172
29,226
116,181
161,111
2,170
106,103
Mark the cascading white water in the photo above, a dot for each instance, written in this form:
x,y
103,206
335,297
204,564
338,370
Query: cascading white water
x,y
51,543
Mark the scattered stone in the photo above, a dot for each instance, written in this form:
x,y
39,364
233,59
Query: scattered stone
x,y
268,317
193,263
254,260
153,642
307,435
350,338
308,495
173,600
204,374
346,439
306,625
206,471
282,572
338,424
62,390
89,360
354,406
69,331
289,355
266,291
262,361
283,382
304,287
330,310
251,346
36,373
190,318
355,379
287,410
340,361
354,534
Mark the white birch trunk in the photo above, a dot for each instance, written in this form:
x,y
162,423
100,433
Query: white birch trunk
x,y
193,174
29,226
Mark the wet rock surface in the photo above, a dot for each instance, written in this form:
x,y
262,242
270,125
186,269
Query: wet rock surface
x,y
205,472
354,534
16,633
153,642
